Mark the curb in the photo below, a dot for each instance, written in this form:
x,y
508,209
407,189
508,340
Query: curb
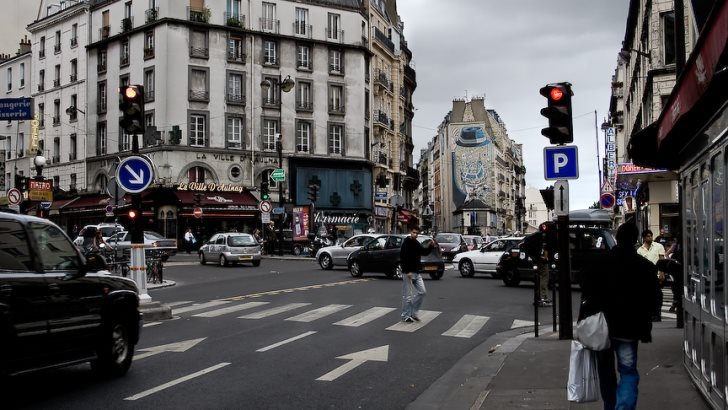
x,y
154,311
164,284
465,385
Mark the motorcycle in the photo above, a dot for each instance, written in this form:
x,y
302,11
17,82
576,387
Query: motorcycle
x,y
319,242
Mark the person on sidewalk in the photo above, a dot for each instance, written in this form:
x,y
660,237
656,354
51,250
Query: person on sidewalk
x,y
189,240
409,258
653,252
622,287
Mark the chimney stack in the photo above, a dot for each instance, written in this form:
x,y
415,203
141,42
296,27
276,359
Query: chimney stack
x,y
24,45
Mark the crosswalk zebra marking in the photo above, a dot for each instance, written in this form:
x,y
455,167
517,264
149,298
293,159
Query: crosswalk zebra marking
x,y
230,309
467,326
365,316
273,311
199,307
312,315
180,303
522,323
283,342
426,316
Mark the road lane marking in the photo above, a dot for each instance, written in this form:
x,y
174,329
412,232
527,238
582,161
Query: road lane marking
x,y
177,347
467,326
365,316
150,324
273,311
378,354
282,342
426,316
176,382
198,307
315,314
276,292
182,302
521,323
230,309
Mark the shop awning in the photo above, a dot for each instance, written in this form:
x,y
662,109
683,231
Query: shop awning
x,y
58,204
219,200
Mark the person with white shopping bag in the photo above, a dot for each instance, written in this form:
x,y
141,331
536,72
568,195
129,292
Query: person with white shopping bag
x,y
622,288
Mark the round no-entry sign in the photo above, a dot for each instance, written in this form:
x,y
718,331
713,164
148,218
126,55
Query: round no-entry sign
x,y
197,212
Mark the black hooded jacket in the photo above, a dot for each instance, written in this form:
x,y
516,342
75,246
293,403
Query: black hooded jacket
x,y
410,253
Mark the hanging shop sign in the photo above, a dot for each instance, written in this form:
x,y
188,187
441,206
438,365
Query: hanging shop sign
x,y
209,187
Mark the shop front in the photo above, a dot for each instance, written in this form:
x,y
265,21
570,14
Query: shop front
x,y
342,224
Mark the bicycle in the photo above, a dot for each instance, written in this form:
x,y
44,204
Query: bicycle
x,y
155,269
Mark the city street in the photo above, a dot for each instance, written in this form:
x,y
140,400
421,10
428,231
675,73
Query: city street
x,y
287,334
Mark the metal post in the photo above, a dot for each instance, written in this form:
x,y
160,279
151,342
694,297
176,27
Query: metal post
x,y
279,146
565,316
138,258
536,298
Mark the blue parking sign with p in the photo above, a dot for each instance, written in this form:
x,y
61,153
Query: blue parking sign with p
x,y
561,162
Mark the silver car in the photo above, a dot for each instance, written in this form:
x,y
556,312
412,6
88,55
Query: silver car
x,y
231,248
337,255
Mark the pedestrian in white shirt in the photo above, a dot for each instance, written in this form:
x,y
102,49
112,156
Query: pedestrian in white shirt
x,y
189,240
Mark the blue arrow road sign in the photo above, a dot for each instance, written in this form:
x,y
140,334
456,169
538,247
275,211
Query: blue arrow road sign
x,y
561,162
134,174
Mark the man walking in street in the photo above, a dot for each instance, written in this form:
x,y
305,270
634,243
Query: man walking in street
x,y
623,288
653,252
413,287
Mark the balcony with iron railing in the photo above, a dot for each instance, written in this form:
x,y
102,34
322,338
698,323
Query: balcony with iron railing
x,y
148,52
270,25
198,15
236,56
270,101
73,77
336,36
199,52
151,14
199,95
57,82
235,98
301,29
41,87
104,32
410,73
74,41
41,53
101,107
336,108
304,105
57,48
56,120
55,159
382,79
124,60
383,40
148,95
101,68
234,20
72,156
336,68
127,24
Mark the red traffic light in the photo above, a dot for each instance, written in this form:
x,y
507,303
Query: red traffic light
x,y
132,214
130,92
556,94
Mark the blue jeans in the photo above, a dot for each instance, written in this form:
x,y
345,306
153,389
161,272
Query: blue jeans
x,y
622,395
411,302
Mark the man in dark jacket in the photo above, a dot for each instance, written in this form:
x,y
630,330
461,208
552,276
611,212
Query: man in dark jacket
x,y
623,288
413,287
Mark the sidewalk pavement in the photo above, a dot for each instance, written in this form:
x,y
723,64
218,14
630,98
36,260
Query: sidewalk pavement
x,y
516,370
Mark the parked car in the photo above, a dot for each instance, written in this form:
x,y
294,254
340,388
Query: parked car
x,y
153,242
336,255
107,230
231,248
451,244
58,308
485,259
381,254
473,241
586,243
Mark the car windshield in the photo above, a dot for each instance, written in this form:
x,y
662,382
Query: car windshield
x,y
447,238
107,231
152,235
241,240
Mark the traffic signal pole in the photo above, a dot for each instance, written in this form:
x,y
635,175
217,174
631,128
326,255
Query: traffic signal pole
x,y
564,264
138,261
279,147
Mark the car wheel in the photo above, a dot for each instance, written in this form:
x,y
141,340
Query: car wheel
x,y
256,263
202,259
325,261
511,277
223,260
297,250
396,273
115,351
436,275
355,269
466,268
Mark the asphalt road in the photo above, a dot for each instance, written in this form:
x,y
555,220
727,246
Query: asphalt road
x,y
287,334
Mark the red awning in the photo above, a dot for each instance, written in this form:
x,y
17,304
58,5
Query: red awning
x,y
220,200
406,216
90,201
60,203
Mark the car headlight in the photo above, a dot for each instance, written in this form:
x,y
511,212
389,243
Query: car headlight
x,y
455,248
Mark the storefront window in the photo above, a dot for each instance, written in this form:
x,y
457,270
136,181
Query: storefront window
x,y
690,239
705,234
716,289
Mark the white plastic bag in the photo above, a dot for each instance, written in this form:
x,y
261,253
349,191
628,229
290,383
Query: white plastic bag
x,y
593,332
583,384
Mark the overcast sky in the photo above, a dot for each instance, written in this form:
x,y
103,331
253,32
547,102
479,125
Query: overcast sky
x,y
506,50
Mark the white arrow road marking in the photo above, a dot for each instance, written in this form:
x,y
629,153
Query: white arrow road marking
x,y
199,306
467,326
521,323
230,309
365,317
318,313
281,343
177,347
426,316
176,382
274,311
138,178
377,354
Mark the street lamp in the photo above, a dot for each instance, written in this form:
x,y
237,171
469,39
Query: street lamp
x,y
39,161
285,86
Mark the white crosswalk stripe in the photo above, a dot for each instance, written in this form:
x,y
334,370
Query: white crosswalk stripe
x,y
365,316
426,316
274,311
467,326
315,314
200,306
230,309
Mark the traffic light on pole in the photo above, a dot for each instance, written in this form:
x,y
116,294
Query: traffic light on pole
x,y
21,183
560,130
313,192
131,104
264,195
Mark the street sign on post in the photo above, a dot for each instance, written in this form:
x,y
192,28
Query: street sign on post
x,y
197,213
265,206
14,196
561,197
134,174
561,162
278,175
265,217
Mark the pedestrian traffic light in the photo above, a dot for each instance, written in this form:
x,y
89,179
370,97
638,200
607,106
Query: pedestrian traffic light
x,y
558,111
131,104
264,196
132,214
313,192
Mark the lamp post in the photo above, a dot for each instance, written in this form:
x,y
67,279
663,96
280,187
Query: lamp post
x,y
284,86
39,161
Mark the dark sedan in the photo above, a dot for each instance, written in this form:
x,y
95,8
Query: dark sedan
x,y
451,244
381,255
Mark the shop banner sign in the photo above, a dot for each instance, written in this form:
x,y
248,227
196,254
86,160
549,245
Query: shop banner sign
x,y
16,109
300,223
